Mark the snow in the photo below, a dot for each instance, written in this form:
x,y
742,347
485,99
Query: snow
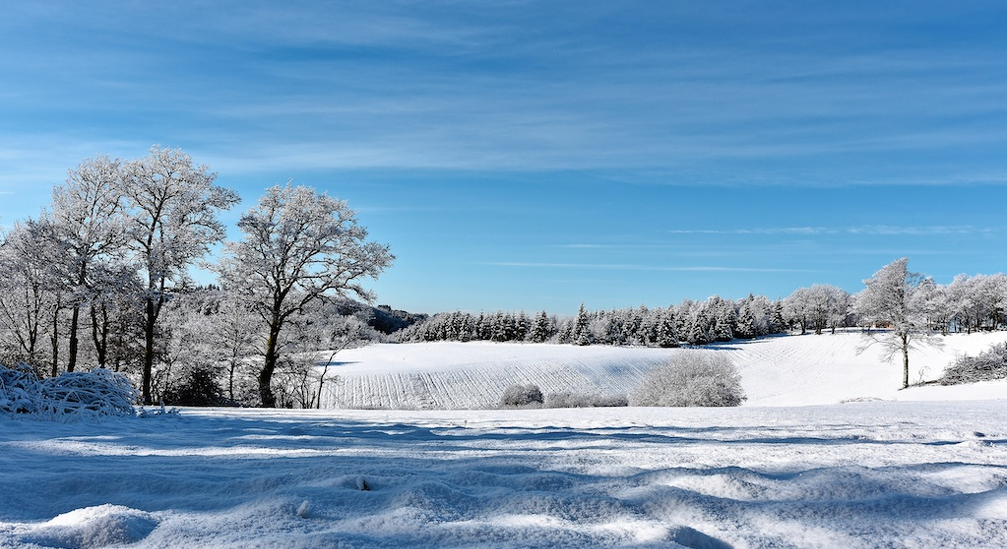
x,y
776,371
924,467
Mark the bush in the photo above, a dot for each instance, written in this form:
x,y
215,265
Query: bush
x,y
68,396
691,379
522,396
100,392
989,365
199,388
19,390
579,400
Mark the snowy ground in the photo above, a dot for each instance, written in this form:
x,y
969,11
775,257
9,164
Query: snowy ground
x,y
877,474
923,468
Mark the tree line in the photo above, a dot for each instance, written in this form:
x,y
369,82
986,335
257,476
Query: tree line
x,y
897,308
102,274
693,323
967,304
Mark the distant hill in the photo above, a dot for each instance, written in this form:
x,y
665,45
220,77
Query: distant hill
x,y
382,318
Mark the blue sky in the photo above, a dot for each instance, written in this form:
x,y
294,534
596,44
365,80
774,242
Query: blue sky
x,y
533,155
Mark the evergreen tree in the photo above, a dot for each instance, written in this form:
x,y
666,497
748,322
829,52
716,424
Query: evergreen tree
x,y
581,334
747,323
542,328
666,332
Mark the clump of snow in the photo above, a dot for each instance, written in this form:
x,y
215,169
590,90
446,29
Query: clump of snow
x,y
92,528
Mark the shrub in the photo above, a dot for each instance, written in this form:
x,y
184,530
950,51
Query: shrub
x,y
580,400
522,396
19,390
100,392
989,365
68,396
691,379
199,388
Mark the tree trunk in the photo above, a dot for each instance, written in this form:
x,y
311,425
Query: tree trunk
x,y
74,321
905,361
269,366
54,339
99,334
148,351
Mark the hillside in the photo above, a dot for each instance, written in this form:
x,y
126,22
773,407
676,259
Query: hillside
x,y
776,371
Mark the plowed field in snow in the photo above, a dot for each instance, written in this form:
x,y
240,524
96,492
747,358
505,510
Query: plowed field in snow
x,y
776,371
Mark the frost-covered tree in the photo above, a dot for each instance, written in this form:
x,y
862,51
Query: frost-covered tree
x,y
797,309
581,328
116,318
31,296
748,324
665,328
87,227
725,318
542,328
171,208
298,246
892,299
992,293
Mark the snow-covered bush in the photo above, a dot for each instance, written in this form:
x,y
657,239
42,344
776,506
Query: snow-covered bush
x,y
68,396
522,396
580,400
691,379
989,365
19,390
97,393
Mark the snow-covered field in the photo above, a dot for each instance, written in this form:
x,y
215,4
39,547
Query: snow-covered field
x,y
777,371
923,468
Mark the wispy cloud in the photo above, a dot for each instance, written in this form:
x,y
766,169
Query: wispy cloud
x,y
632,267
870,230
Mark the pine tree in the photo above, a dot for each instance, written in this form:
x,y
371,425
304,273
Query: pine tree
x,y
581,334
666,333
541,329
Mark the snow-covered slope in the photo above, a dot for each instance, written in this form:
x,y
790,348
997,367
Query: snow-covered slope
x,y
776,371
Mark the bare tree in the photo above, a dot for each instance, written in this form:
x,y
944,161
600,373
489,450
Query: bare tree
x,y
171,210
298,246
